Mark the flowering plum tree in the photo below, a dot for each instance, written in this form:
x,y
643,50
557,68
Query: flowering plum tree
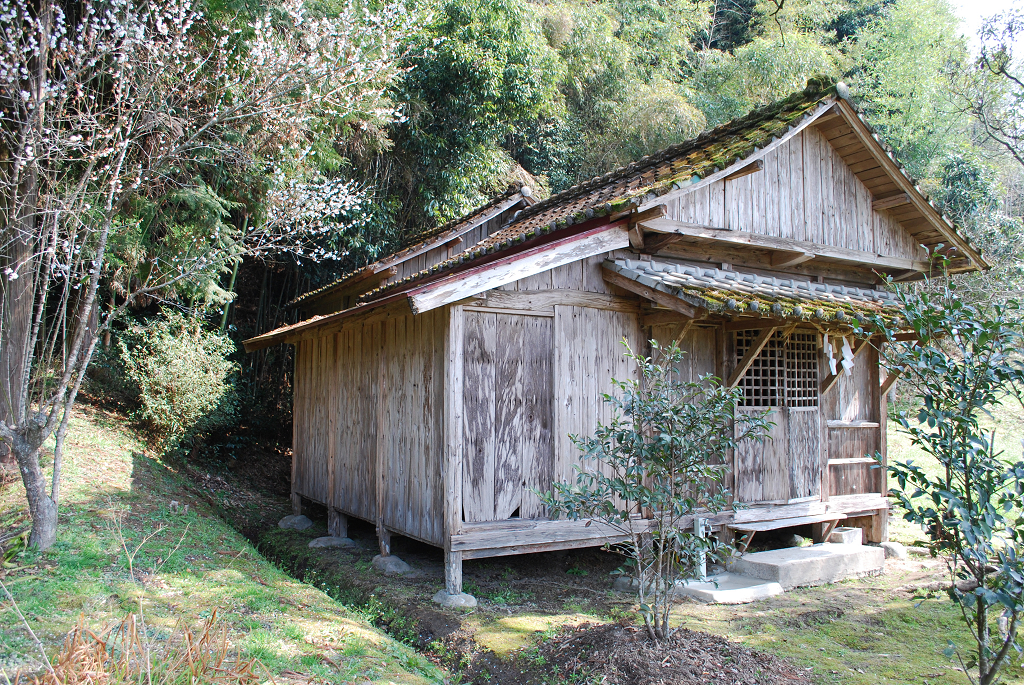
x,y
104,103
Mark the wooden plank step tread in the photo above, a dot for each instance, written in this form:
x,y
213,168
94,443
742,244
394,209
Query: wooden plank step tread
x,y
785,523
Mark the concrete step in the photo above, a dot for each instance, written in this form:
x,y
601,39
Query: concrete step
x,y
729,588
815,565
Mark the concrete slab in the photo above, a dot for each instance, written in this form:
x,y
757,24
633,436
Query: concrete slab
x,y
814,565
729,588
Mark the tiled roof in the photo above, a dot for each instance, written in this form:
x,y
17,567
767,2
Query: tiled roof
x,y
655,174
415,242
737,292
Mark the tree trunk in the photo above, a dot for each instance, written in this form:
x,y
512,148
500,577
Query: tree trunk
x,y
42,509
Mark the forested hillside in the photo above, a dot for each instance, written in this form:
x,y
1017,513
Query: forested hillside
x,y
555,93
206,163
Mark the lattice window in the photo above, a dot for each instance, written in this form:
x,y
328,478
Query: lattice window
x,y
764,383
785,373
802,370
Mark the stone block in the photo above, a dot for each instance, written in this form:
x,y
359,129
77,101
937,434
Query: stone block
x,y
331,542
459,601
894,550
847,536
294,522
391,565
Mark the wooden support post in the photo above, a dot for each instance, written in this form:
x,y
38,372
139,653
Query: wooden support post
x,y
657,296
880,521
451,468
453,572
337,523
748,359
380,473
296,503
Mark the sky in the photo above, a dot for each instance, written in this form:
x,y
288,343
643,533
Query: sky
x,y
974,12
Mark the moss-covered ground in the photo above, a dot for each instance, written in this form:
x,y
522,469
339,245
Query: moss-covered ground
x,y
190,563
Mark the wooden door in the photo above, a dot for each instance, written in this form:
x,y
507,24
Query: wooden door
x,y
508,415
782,381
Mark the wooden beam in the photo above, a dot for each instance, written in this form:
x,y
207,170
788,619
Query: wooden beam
x,y
661,317
783,258
907,186
451,465
655,212
653,244
725,236
748,359
545,299
752,168
657,296
506,270
636,238
890,380
889,202
683,332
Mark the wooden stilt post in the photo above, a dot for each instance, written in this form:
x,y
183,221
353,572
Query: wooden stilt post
x,y
296,503
337,523
453,572
451,468
380,473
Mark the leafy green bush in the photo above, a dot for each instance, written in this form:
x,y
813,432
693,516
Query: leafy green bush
x,y
185,381
655,468
964,362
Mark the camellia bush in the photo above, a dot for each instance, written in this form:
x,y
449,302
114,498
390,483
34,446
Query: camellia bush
x,y
659,465
965,361
183,376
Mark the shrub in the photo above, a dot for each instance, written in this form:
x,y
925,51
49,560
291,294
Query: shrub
x,y
184,378
964,361
660,464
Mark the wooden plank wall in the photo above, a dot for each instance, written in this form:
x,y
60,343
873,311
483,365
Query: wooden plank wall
x,y
508,418
854,398
413,424
806,192
532,379
588,353
338,389
441,253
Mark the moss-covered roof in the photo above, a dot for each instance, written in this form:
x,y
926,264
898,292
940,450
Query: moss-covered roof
x,y
736,292
416,242
649,177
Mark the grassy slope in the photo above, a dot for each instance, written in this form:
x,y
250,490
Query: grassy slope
x,y
202,566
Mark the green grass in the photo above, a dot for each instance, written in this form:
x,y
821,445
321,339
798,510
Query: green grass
x,y
187,567
1008,423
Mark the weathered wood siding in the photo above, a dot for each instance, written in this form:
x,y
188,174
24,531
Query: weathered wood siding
x,y
371,397
507,410
532,378
443,252
805,192
852,406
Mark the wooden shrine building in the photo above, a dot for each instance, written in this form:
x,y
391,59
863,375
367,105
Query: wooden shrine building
x,y
436,389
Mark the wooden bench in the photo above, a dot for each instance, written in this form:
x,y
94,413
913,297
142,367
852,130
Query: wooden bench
x,y
756,527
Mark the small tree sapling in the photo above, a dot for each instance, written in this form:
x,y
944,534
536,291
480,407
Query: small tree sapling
x,y
656,467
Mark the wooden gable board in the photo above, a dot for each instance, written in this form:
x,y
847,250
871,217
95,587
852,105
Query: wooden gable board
x,y
466,284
